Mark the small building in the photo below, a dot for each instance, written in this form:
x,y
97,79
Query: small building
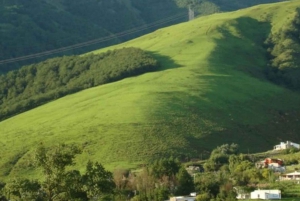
x,y
266,194
243,196
291,176
286,145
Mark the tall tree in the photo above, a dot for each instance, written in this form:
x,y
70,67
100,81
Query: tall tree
x,y
98,182
185,182
53,163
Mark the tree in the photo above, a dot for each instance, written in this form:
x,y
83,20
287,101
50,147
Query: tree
x,y
24,189
185,182
53,163
98,182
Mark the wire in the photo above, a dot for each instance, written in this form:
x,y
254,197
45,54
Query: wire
x,y
95,41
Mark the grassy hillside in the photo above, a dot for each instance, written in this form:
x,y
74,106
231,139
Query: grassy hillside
x,y
210,90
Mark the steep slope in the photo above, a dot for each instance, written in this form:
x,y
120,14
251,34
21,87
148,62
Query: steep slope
x,y
32,27
211,90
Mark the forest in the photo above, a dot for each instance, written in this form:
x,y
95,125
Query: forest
x,y
36,84
31,27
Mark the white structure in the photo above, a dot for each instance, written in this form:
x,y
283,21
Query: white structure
x,y
291,176
266,194
243,196
286,145
183,198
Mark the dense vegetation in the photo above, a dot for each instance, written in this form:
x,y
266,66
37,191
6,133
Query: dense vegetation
x,y
284,51
29,27
156,181
36,84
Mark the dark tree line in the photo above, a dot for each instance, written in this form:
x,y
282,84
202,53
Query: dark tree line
x,y
36,84
34,26
29,27
284,54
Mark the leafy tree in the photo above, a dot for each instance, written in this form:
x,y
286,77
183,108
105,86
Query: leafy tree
x,y
207,182
220,156
98,182
185,183
54,162
164,167
25,189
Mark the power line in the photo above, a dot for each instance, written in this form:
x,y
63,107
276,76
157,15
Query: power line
x,y
95,41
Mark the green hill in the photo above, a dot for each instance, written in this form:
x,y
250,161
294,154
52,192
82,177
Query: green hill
x,y
35,26
210,90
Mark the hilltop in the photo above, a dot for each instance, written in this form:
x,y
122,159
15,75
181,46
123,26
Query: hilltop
x,y
211,89
36,26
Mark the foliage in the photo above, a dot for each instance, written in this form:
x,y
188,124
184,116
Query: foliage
x,y
220,156
207,182
26,28
60,182
185,182
57,180
24,189
203,197
284,47
37,84
97,181
164,167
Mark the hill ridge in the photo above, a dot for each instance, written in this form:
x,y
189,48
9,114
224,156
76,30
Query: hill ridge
x,y
210,91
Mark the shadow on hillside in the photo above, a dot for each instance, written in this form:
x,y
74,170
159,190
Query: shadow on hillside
x,y
241,47
232,109
165,62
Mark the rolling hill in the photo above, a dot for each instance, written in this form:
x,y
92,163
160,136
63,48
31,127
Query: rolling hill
x,y
210,90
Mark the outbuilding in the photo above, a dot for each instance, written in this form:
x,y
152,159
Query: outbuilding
x,y
266,194
291,176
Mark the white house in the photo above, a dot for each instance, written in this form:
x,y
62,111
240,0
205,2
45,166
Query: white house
x,y
291,176
243,196
286,145
266,194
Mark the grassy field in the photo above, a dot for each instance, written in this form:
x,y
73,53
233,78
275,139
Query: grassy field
x,y
210,90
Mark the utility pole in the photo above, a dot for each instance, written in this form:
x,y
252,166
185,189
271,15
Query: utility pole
x,y
191,13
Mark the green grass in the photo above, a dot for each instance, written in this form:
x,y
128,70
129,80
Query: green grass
x,y
210,90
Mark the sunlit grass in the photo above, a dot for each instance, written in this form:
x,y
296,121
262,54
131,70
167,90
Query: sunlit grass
x,y
210,90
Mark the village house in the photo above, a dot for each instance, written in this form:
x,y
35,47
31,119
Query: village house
x,y
243,196
266,194
290,176
286,145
